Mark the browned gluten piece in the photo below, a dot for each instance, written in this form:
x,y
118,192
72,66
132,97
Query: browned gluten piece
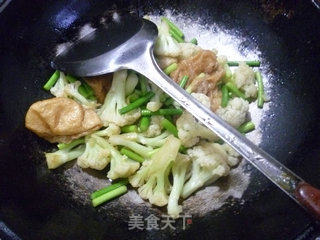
x,y
204,61
61,120
100,85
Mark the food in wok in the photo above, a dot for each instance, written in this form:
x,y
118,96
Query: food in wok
x,y
125,123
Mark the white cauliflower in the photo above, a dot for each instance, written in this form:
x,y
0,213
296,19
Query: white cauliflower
x,y
71,90
115,100
120,165
190,131
57,158
153,177
157,141
155,104
202,98
235,112
123,140
94,156
244,79
131,83
188,50
233,156
63,88
209,162
180,170
155,127
58,89
112,129
165,45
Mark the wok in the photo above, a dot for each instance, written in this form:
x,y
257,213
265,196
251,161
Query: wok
x,y
36,203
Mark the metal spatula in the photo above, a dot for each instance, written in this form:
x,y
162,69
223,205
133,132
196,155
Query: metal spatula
x,y
128,44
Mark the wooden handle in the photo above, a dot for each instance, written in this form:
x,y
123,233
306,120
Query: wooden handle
x,y
309,197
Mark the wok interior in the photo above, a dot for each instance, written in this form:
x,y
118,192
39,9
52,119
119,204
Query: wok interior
x,y
38,203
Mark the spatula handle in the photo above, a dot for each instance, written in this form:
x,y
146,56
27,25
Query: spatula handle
x,y
309,197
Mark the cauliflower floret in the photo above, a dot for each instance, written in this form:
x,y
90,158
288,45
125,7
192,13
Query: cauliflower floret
x,y
209,162
155,104
154,128
180,169
244,79
131,83
204,99
115,100
58,89
123,140
120,165
153,142
165,44
233,156
188,50
94,156
190,130
60,157
152,179
71,90
235,112
112,129
64,89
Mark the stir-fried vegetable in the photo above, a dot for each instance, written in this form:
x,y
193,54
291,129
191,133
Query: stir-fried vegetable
x,y
110,188
173,27
132,155
144,123
52,80
169,111
170,68
129,128
232,88
109,195
249,63
137,103
247,127
225,96
169,127
71,145
169,101
194,41
260,89
143,135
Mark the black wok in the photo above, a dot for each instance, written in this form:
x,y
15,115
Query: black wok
x,y
36,203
